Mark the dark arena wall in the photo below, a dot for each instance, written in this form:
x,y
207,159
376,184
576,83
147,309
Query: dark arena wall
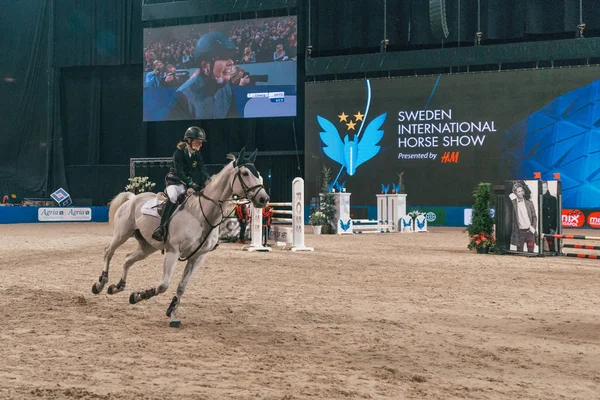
x,y
72,104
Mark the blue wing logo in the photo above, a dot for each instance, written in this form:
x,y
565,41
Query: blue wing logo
x,y
396,188
421,224
385,189
352,151
345,226
406,223
340,186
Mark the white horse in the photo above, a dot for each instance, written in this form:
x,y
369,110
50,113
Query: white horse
x,y
193,230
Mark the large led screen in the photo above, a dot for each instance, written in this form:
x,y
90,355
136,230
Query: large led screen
x,y
447,133
235,69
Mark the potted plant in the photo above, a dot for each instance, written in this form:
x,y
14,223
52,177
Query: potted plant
x,y
317,219
482,242
481,229
414,214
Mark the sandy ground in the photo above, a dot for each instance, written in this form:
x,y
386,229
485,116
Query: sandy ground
x,y
393,316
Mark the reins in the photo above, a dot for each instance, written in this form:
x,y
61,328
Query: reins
x,y
219,203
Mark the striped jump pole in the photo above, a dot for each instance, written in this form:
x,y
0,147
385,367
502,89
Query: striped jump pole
x,y
578,237
590,256
580,246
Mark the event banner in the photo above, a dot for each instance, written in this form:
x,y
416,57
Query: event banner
x,y
444,134
234,69
581,218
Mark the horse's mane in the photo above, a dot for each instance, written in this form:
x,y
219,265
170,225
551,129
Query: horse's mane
x,y
230,157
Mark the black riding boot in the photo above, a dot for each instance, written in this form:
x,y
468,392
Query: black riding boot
x,y
160,232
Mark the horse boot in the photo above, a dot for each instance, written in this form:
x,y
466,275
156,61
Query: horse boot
x,y
160,232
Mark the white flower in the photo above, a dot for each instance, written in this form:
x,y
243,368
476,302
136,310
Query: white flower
x,y
139,184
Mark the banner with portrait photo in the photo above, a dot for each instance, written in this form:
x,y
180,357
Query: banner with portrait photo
x,y
521,210
551,215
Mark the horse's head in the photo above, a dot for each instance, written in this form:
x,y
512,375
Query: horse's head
x,y
247,183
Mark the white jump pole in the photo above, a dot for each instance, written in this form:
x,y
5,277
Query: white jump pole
x,y
256,229
298,216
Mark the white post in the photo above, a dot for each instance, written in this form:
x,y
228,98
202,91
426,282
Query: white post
x,y
343,224
298,216
396,209
256,230
382,208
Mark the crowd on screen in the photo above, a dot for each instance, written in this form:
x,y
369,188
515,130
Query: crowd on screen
x,y
257,41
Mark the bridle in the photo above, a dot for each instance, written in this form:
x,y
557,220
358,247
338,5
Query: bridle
x,y
245,187
219,203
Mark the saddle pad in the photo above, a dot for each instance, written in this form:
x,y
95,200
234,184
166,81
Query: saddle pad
x,y
149,208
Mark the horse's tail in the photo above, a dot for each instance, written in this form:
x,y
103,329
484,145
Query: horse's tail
x,y
116,203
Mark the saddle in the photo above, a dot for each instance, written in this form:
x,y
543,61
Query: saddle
x,y
156,205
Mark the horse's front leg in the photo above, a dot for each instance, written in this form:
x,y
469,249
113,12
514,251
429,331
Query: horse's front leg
x,y
168,266
190,267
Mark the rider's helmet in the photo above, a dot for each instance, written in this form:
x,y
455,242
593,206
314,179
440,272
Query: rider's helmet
x,y
194,133
214,46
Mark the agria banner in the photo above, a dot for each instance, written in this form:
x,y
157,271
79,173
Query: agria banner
x,y
447,133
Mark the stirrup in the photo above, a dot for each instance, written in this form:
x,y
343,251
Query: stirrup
x,y
159,234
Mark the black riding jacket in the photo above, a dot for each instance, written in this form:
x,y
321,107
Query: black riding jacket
x,y
187,169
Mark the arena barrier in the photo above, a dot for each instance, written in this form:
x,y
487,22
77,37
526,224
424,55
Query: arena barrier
x,y
290,229
576,245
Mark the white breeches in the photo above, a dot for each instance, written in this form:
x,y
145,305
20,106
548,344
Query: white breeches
x,y
174,191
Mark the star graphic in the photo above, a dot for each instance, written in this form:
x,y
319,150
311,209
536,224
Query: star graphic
x,y
351,125
343,117
359,116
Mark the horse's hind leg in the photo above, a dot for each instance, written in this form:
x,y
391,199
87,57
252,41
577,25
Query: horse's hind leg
x,y
143,251
117,240
190,267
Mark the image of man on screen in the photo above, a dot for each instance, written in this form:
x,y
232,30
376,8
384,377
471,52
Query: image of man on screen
x,y
549,215
156,77
524,219
208,93
171,78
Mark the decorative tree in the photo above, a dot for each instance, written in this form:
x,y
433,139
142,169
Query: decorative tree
x,y
401,182
327,200
482,222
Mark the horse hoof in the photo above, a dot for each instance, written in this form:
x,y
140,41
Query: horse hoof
x,y
95,289
175,324
132,298
112,289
